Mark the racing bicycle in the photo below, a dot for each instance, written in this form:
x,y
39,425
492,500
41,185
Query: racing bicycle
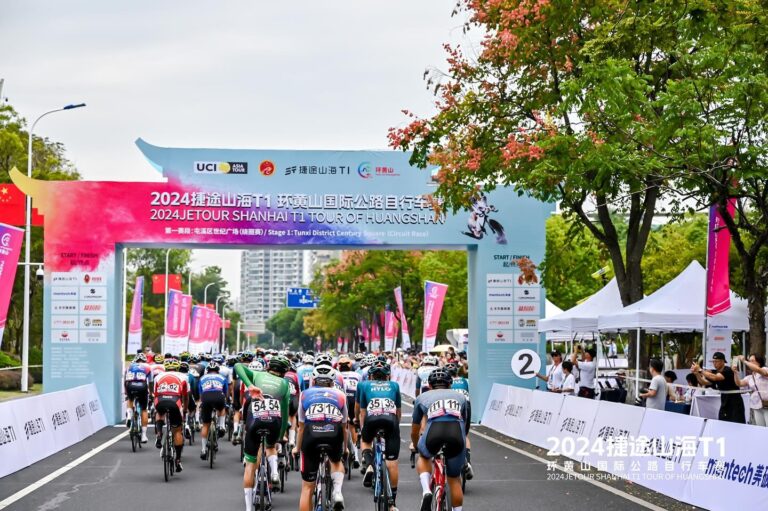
x,y
382,488
324,486
263,494
168,454
136,425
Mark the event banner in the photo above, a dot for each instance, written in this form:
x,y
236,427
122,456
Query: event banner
x,y
10,248
345,346
197,341
390,331
339,344
718,247
177,322
134,326
718,339
375,335
403,320
434,296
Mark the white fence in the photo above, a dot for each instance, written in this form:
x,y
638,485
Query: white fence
x,y
35,427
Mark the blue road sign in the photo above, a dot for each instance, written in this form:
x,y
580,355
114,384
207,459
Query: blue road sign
x,y
300,298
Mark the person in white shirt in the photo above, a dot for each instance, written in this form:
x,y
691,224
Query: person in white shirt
x,y
656,396
568,386
587,371
555,376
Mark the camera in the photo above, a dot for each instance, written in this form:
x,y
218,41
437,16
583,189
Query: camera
x,y
40,274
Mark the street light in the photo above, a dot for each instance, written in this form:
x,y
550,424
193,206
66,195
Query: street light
x,y
205,294
27,241
216,308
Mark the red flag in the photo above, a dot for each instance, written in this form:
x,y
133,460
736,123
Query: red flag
x,y
12,205
158,283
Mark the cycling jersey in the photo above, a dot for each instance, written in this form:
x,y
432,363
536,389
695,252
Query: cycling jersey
x,y
461,385
293,382
276,392
137,375
381,401
170,392
156,370
446,413
351,381
213,382
323,411
422,377
304,373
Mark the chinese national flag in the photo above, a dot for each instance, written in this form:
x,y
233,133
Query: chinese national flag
x,y
12,207
227,323
158,283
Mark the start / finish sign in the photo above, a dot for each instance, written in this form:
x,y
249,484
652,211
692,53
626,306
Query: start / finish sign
x,y
216,198
300,298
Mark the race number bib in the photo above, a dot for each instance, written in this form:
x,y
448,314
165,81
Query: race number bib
x,y
351,384
168,388
293,388
381,406
463,392
138,377
339,385
212,385
444,407
266,409
324,412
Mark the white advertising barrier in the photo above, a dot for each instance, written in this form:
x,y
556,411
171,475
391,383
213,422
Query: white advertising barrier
x,y
615,424
406,379
730,470
708,405
495,406
577,415
33,428
540,418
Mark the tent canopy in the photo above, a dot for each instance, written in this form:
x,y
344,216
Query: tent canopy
x,y
583,317
676,307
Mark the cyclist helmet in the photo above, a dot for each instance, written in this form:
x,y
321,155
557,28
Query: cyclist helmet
x,y
171,365
344,360
184,356
430,360
358,356
140,358
279,364
213,366
308,359
184,367
256,365
246,357
368,360
159,359
207,356
231,361
452,368
194,359
260,353
380,368
323,359
440,378
324,376
219,359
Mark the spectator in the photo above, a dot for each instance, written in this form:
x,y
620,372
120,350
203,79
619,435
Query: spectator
x,y
656,395
555,377
757,382
724,380
693,388
587,370
674,393
568,386
610,348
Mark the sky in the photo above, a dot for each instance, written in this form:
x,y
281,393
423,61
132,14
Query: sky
x,y
236,74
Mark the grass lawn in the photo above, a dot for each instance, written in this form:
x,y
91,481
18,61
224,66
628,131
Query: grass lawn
x,y
5,395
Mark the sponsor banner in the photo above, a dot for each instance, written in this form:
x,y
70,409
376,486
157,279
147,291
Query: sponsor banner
x,y
65,278
91,293
93,336
575,421
616,424
177,322
500,294
527,294
93,307
10,248
135,322
501,336
65,322
541,419
500,308
526,337
729,470
59,293
493,415
92,279
718,248
718,339
68,307
375,336
528,309
65,336
434,296
403,320
197,340
501,322
339,344
500,280
33,428
390,331
406,379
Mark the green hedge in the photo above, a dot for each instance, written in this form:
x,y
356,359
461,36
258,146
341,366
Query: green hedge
x,y
7,360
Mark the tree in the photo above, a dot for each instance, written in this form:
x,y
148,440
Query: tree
x,y
210,275
146,262
288,327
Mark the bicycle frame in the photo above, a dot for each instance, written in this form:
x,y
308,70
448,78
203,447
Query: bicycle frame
x,y
439,481
382,488
324,485
262,477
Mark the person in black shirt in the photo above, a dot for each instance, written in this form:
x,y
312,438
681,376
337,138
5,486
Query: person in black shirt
x,y
722,379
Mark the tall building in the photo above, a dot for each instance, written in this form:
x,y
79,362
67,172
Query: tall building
x,y
265,276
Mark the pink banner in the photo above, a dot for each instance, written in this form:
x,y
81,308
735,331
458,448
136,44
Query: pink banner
x,y
10,248
339,344
403,320
390,331
434,296
197,340
375,336
718,247
134,325
345,347
364,330
177,322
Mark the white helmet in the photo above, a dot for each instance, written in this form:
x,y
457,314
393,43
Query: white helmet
x,y
308,359
323,359
324,372
256,365
368,360
430,360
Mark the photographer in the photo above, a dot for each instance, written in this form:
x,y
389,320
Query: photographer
x,y
656,395
722,379
587,369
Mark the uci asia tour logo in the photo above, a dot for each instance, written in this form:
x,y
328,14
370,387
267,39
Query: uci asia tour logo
x,y
221,167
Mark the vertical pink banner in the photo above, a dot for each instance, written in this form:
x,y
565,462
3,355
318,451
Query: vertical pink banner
x,y
403,320
718,247
390,331
135,323
177,324
434,296
10,249
197,330
339,344
345,346
375,336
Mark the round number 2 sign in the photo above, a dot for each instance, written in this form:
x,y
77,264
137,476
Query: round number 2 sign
x,y
526,364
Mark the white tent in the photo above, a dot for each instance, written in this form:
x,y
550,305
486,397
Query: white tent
x,y
676,307
583,317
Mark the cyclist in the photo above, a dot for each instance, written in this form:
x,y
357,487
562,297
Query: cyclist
x,y
171,401
293,382
365,363
193,397
380,410
442,415
266,408
422,373
213,388
461,385
304,372
351,380
322,420
137,387
237,398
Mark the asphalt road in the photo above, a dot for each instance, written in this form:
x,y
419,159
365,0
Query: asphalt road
x,y
117,479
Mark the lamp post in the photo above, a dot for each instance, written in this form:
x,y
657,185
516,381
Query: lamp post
x,y
216,308
223,327
27,241
205,294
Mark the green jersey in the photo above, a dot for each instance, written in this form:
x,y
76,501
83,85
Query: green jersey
x,y
273,387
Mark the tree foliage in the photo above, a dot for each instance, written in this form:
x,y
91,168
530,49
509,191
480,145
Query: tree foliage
x,y
288,327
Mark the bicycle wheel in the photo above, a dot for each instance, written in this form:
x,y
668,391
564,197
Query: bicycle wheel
x,y
212,436
262,478
133,439
385,489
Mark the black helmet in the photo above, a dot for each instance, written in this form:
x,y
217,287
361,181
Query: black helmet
x,y
379,367
279,364
452,368
440,377
184,367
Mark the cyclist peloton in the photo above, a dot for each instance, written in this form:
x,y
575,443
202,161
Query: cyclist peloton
x,y
171,402
322,421
379,408
137,387
237,398
213,389
423,372
351,380
442,415
293,409
304,372
461,385
266,408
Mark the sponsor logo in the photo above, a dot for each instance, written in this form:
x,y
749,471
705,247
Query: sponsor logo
x,y
60,418
267,168
500,280
93,293
7,435
94,279
93,336
94,307
64,322
94,406
364,170
64,278
81,411
330,170
63,307
34,427
64,293
5,240
221,167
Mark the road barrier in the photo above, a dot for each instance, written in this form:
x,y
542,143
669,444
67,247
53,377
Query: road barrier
x,y
33,428
709,463
406,379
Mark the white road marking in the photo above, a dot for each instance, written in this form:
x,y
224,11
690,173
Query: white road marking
x,y
63,470
578,475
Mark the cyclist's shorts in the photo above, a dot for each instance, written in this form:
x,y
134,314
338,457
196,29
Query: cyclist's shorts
x,y
167,406
253,440
293,406
140,394
236,395
450,434
191,403
388,423
351,407
209,401
314,436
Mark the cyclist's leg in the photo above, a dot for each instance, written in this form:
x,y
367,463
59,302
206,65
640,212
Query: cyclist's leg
x,y
309,464
366,443
272,440
143,400
251,446
206,411
335,455
455,459
353,432
392,453
128,405
221,407
175,421
424,466
468,464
